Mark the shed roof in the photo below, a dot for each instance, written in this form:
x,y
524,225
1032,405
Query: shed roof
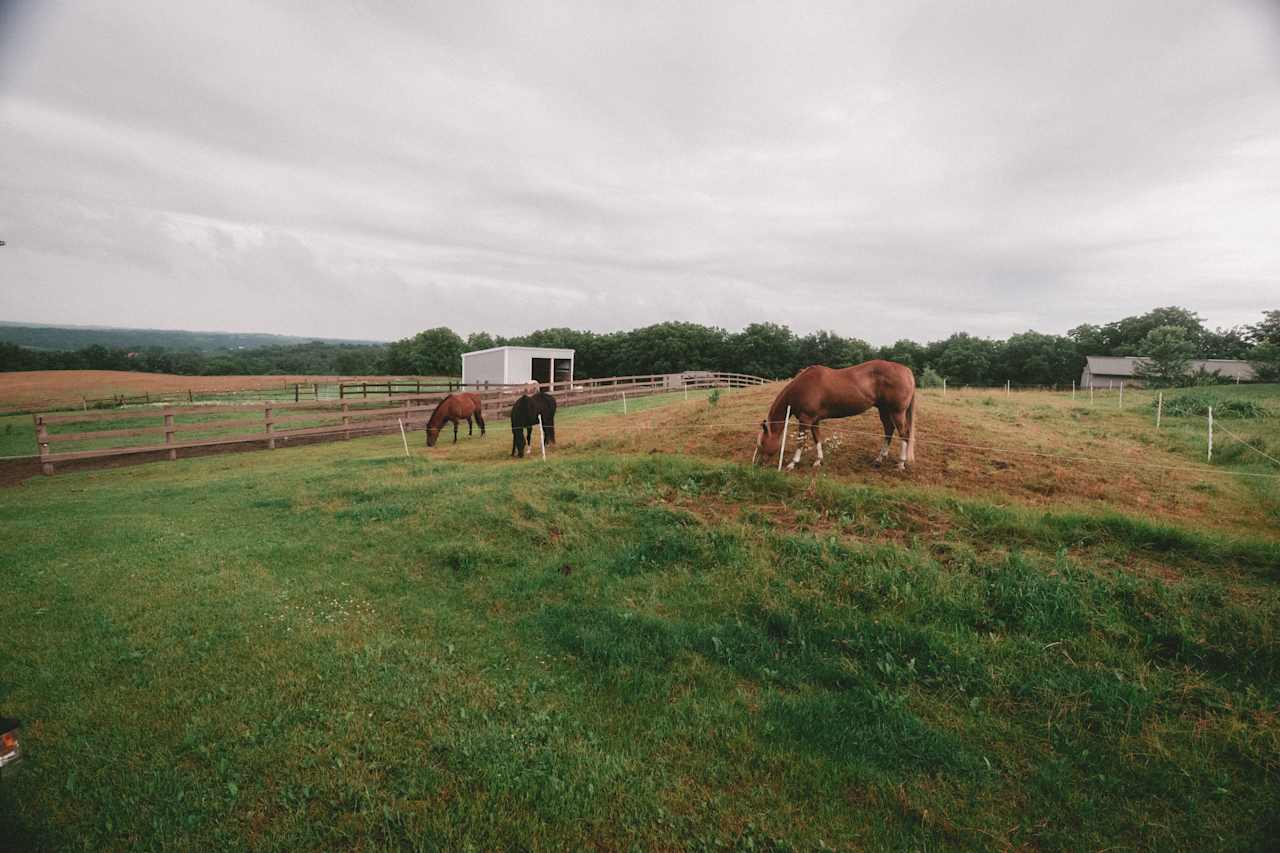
x,y
1125,365
551,351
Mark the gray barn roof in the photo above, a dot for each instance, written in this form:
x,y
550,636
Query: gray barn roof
x,y
1126,366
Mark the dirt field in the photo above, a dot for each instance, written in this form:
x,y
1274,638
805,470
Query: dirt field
x,y
54,389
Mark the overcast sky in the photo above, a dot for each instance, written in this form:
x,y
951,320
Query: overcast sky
x,y
371,168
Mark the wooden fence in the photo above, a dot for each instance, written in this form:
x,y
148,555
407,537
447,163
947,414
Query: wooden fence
x,y
163,429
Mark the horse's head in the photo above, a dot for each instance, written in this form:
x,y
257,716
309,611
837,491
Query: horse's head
x,y
433,433
768,443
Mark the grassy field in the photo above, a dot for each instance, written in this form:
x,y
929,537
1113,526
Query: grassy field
x,y
645,642
54,390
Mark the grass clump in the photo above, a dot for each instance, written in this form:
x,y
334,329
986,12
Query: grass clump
x,y
1197,405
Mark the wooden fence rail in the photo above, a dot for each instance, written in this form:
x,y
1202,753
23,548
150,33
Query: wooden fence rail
x,y
339,419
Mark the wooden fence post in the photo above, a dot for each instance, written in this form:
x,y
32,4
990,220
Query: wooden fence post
x,y
1159,407
42,443
168,435
346,420
1210,434
271,442
365,387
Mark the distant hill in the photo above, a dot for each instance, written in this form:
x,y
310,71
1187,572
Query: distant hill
x,y
76,337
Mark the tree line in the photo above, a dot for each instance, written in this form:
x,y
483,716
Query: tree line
x,y
1170,336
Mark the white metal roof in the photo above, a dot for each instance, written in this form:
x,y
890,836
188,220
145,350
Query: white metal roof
x,y
554,352
1116,365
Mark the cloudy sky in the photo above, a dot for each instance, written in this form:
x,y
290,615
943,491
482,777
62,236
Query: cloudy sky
x,y
370,168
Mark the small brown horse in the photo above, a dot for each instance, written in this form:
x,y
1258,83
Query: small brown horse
x,y
819,392
455,408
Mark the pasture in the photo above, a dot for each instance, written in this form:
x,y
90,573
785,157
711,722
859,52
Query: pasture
x,y
1061,630
47,390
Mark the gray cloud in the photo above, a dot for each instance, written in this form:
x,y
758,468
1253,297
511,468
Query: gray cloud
x,y
886,170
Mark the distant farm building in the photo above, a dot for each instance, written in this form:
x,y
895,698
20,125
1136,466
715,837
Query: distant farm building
x,y
1108,371
517,365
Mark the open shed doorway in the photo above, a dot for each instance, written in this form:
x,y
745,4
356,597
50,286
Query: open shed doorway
x,y
540,372
563,371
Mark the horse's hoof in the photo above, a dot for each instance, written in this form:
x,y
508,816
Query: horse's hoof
x,y
818,464
902,466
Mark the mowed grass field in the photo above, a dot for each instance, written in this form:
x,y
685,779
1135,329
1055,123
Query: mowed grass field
x,y
51,390
1069,641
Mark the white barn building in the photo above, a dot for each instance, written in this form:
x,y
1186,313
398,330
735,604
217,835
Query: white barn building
x,y
517,365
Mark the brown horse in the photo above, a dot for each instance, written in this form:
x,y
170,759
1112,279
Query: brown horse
x,y
819,392
455,408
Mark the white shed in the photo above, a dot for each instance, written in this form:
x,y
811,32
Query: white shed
x,y
516,365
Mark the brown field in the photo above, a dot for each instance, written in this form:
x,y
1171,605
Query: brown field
x,y
56,389
1033,449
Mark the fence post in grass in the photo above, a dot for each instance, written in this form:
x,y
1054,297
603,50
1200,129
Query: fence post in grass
x,y
1090,393
1073,390
403,437
542,438
1211,433
624,402
315,389
295,392
168,434
346,420
42,445
783,449
1120,405
271,442
364,386
1006,388
1159,407
944,387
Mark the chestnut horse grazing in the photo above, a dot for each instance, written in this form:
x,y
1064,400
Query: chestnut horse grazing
x,y
455,408
819,392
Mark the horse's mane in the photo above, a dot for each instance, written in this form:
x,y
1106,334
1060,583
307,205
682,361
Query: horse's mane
x,y
437,415
778,408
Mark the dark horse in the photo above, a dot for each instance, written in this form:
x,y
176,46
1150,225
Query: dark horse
x,y
455,408
820,392
524,417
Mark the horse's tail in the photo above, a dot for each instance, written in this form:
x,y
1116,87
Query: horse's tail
x,y
911,428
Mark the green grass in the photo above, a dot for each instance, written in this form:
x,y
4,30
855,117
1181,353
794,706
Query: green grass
x,y
336,646
17,435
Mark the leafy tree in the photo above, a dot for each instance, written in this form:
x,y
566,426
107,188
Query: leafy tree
x,y
434,352
1168,351
671,347
930,378
1266,332
823,347
1033,358
905,352
1265,359
480,340
966,360
764,349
